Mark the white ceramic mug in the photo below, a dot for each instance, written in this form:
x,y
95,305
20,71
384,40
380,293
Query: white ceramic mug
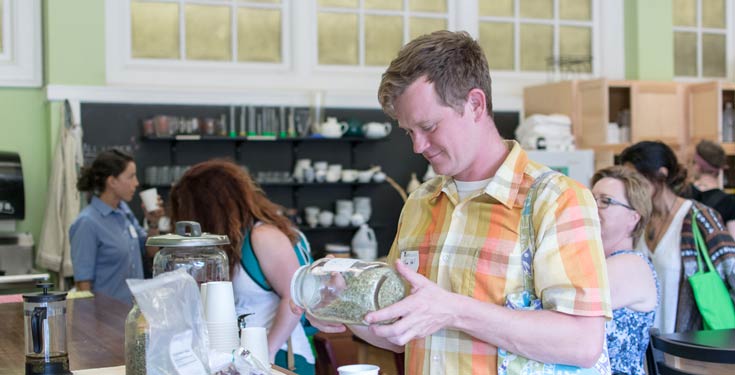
x,y
358,370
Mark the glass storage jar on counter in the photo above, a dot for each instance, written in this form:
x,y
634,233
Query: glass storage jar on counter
x,y
344,290
137,335
196,252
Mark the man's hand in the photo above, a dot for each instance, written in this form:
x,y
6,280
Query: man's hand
x,y
426,310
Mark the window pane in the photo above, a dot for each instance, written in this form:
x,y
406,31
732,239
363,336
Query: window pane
x,y
384,4
685,12
685,54
208,32
576,42
155,30
339,3
537,9
420,26
497,41
713,14
537,44
383,39
575,10
338,39
497,8
428,5
259,35
713,55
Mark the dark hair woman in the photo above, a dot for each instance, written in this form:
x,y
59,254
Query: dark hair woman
x,y
668,238
223,198
107,242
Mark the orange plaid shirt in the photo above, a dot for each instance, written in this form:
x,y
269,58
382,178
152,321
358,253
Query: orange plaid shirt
x,y
472,248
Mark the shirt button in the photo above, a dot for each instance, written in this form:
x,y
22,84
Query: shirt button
x,y
435,358
445,258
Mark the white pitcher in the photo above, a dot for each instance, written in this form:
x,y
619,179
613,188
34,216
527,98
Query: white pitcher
x,y
364,243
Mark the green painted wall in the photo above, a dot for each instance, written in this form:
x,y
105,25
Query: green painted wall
x,y
24,129
74,42
649,40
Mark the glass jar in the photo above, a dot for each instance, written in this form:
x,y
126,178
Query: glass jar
x,y
196,252
344,290
137,334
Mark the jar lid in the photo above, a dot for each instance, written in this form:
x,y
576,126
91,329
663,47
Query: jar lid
x,y
44,296
188,234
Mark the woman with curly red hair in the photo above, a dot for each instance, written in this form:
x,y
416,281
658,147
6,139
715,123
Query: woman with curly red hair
x,y
224,199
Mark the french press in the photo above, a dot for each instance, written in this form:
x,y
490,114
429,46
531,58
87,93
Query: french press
x,y
44,317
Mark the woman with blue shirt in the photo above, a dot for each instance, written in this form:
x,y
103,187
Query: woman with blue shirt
x,y
107,242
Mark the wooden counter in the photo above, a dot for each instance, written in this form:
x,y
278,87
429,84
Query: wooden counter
x,y
96,329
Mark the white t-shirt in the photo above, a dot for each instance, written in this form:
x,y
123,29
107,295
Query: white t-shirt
x,y
667,260
467,188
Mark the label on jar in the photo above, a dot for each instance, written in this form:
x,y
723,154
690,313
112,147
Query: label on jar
x,y
182,355
339,265
411,259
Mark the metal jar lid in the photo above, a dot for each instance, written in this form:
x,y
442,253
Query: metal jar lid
x,y
188,234
44,296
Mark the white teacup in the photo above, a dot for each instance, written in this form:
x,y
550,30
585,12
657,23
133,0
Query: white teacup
x,y
349,175
376,129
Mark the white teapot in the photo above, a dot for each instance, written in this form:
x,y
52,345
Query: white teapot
x,y
332,128
376,129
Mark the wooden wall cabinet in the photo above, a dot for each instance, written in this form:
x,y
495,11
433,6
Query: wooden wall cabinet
x,y
657,111
706,103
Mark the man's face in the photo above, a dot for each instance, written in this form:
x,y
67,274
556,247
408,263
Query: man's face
x,y
443,136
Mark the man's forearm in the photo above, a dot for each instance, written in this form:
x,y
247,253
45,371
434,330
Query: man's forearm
x,y
545,336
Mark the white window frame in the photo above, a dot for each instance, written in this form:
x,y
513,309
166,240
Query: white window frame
x,y
301,80
122,68
556,23
20,62
405,14
729,33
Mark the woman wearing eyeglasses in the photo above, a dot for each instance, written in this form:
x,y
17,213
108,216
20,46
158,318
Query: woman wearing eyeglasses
x,y
668,238
624,205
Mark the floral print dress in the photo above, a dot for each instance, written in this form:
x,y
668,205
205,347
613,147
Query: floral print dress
x,y
627,333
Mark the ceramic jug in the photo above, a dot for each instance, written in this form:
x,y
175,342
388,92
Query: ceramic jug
x,y
376,129
332,128
364,244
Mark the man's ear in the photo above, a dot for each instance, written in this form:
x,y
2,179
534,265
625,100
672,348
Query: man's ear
x,y
476,104
663,171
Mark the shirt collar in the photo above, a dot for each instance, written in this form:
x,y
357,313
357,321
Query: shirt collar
x,y
505,184
105,209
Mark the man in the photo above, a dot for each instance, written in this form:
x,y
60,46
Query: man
x,y
709,160
460,230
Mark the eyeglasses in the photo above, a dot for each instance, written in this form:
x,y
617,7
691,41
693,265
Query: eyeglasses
x,y
605,202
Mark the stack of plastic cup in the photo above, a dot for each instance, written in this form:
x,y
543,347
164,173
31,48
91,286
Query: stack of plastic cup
x,y
219,309
255,340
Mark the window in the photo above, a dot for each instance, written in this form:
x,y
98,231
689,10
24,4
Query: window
x,y
538,35
233,31
20,43
370,32
700,38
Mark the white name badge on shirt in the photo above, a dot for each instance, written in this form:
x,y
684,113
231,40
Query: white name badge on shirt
x,y
410,259
133,232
